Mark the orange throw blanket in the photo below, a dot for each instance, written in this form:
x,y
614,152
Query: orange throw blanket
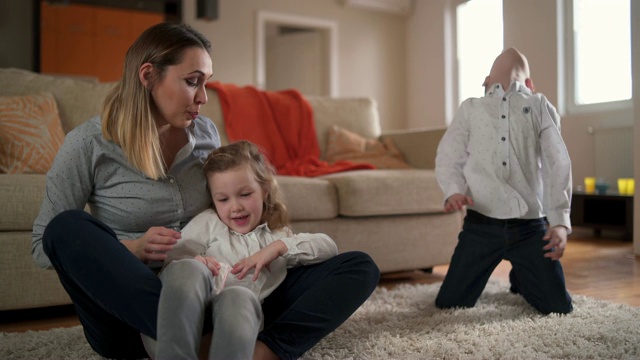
x,y
281,123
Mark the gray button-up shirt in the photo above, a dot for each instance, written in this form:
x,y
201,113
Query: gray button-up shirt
x,y
90,170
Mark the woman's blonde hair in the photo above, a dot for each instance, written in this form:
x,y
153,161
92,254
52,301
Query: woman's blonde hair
x,y
246,153
127,112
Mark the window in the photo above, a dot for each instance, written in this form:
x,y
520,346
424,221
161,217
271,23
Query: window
x,y
598,55
479,40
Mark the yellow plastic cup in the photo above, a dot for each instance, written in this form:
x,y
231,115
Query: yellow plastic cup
x,y
623,184
590,185
631,186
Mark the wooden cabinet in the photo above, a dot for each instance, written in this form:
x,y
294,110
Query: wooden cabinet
x,y
603,212
88,40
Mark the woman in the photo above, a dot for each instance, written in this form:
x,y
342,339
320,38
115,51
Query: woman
x,y
139,168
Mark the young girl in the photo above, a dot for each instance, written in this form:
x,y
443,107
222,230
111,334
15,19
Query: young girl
x,y
230,258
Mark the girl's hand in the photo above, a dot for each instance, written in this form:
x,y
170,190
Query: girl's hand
x,y
154,244
456,202
259,260
211,263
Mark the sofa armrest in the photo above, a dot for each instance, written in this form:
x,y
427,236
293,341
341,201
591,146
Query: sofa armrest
x,y
418,146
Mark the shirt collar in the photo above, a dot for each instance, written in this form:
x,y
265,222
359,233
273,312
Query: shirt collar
x,y
259,229
496,90
188,148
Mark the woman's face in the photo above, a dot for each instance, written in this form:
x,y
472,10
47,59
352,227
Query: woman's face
x,y
238,198
180,92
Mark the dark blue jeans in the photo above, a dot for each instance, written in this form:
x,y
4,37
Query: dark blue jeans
x,y
314,300
114,293
116,296
483,243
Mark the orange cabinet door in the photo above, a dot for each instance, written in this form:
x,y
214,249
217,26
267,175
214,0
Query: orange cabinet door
x,y
87,40
113,27
48,38
144,20
76,40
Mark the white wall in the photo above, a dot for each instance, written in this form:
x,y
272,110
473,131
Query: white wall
x,y
427,64
371,45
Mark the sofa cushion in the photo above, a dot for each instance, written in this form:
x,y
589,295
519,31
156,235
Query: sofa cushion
x,y
359,115
387,192
30,133
343,144
309,198
78,99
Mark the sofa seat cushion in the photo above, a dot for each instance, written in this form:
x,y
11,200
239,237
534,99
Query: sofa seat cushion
x,y
387,192
21,196
309,198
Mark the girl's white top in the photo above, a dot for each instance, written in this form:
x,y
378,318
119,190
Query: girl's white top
x,y
207,235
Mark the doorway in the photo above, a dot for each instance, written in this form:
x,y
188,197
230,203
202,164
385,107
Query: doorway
x,y
296,52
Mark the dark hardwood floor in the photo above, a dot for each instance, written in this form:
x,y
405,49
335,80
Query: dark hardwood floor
x,y
603,268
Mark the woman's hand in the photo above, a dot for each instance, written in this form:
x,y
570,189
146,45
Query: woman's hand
x,y
211,263
154,244
259,260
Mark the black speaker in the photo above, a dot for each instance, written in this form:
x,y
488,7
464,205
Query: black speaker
x,y
207,9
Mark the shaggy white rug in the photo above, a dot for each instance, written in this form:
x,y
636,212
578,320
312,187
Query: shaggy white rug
x,y
403,323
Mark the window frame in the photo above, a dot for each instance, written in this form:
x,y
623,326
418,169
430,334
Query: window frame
x,y
567,66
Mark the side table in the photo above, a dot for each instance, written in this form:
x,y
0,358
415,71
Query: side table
x,y
609,211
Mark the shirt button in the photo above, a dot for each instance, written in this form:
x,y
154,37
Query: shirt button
x,y
503,116
179,211
504,99
172,180
504,138
504,163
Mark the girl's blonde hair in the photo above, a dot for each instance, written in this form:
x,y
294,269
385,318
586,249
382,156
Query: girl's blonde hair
x,y
127,112
246,153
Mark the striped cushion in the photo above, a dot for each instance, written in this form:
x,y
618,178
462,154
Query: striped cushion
x,y
30,133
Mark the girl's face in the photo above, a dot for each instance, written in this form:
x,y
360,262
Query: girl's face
x,y
180,92
238,198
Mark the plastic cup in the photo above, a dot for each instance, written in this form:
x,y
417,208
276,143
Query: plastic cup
x,y
590,185
631,186
622,186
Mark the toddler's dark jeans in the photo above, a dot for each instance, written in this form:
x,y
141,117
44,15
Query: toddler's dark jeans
x,y
116,295
483,243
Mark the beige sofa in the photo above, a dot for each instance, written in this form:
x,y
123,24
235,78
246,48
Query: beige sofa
x,y
394,215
